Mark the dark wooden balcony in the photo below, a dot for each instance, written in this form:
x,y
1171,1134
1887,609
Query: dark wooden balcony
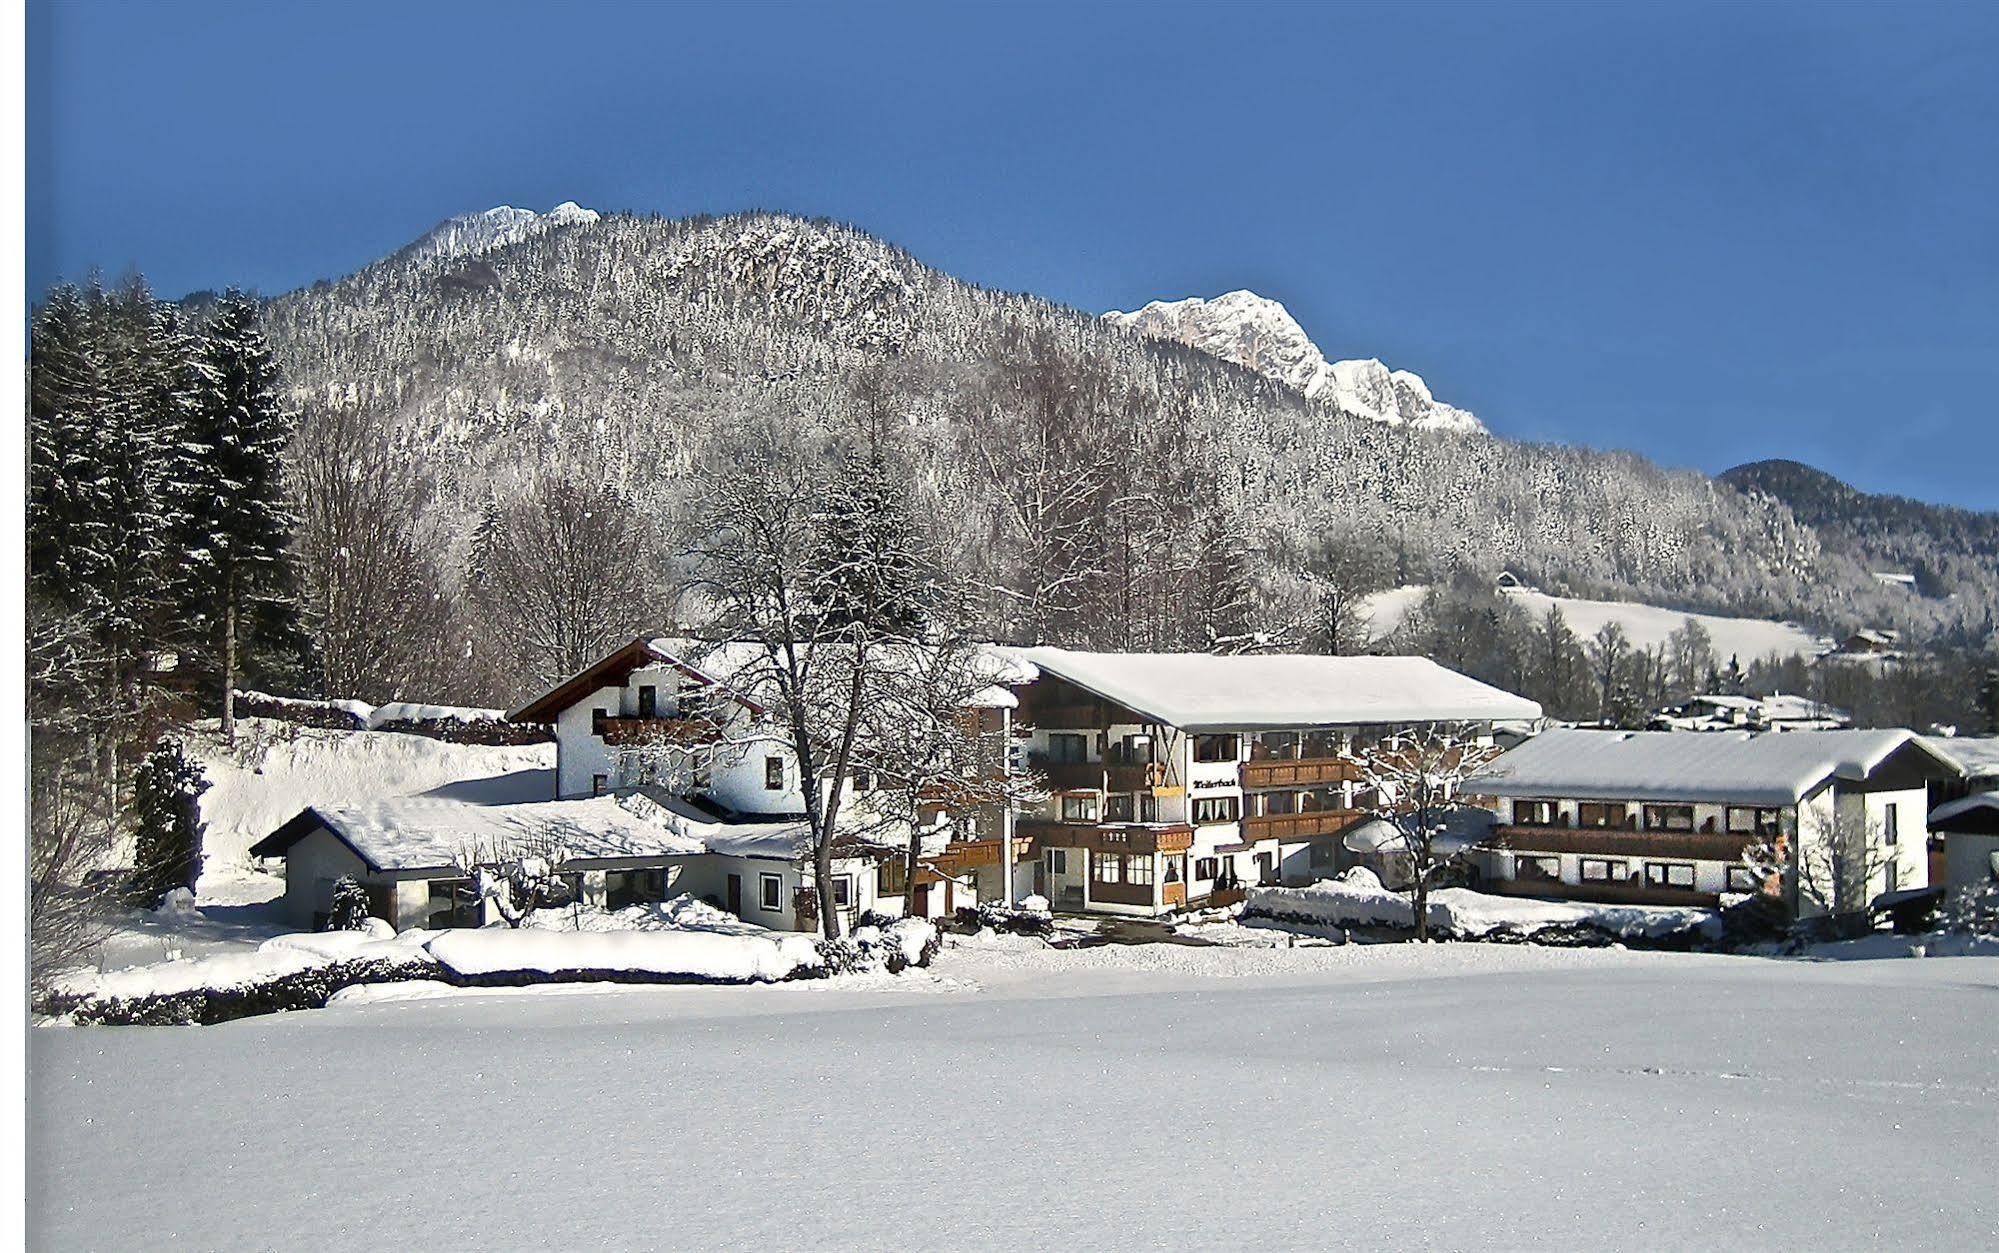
x,y
658,732
1154,838
1070,776
961,855
1300,772
1081,716
1658,845
1134,776
1299,826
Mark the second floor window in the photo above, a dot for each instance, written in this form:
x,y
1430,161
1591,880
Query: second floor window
x,y
1600,814
1068,748
1118,807
774,774
1213,809
1669,817
1891,826
1535,813
1743,820
1079,809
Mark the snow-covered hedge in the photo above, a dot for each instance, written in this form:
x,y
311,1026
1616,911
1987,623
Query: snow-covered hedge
x,y
456,724
498,955
1357,899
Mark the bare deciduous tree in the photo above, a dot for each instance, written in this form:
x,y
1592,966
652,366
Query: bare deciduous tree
x,y
1417,781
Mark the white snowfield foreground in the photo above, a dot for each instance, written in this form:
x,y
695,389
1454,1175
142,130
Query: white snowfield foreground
x,y
1361,1096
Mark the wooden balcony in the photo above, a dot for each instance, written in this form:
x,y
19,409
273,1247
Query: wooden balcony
x,y
1299,826
1301,772
962,855
1621,893
1156,838
658,732
1071,776
1658,845
1136,777
1084,716
1121,893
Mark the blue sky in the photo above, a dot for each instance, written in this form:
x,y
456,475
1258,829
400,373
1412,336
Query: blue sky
x,y
1710,233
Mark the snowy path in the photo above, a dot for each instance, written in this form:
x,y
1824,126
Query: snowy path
x,y
1162,1096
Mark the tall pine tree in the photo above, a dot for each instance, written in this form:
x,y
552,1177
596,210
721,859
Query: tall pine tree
x,y
239,529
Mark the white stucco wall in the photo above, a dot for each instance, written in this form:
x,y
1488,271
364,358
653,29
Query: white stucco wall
x,y
311,867
1968,858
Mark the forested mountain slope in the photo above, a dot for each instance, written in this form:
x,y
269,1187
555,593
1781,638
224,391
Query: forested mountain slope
x,y
1110,490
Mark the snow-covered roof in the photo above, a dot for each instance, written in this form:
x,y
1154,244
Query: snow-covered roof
x,y
1977,755
1977,802
416,833
1202,692
1760,768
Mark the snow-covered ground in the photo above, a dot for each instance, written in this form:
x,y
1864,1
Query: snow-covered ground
x,y
1155,1095
1746,639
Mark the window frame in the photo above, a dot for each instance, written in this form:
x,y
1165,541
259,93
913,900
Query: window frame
x,y
1536,813
1663,817
1213,869
1541,863
770,892
1747,874
1204,805
774,777
1665,879
843,891
1203,744
1618,812
1101,862
1079,807
1615,870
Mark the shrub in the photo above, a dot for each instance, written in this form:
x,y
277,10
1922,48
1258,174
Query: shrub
x,y
349,911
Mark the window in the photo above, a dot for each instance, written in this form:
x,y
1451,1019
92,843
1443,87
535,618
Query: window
x,y
1107,868
597,717
1280,803
1135,750
773,774
648,701
1079,809
1275,746
1542,869
770,891
843,891
1213,809
599,783
1119,808
1058,861
623,888
892,877
453,903
1600,814
1743,879
1669,874
1746,821
1669,817
1535,813
1205,868
1148,807
1215,747
1138,868
1891,832
1600,870
1068,747
1174,872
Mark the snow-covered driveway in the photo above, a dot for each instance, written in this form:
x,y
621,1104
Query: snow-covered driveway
x,y
1449,1097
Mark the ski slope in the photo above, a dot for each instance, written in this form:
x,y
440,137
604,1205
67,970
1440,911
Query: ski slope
x,y
1159,1096
1745,639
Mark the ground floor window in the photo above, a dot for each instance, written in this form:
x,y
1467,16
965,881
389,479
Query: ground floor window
x,y
770,891
843,891
892,877
1108,868
1058,861
1598,870
1744,879
1204,868
624,888
1138,868
1669,874
453,903
1545,869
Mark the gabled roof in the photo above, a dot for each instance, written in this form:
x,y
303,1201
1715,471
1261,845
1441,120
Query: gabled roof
x,y
1756,768
416,833
615,668
1978,812
1976,755
1205,692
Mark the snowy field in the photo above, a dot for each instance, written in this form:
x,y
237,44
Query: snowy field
x,y
1746,639
1444,1096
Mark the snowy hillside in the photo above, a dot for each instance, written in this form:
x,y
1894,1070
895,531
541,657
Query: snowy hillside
x,y
276,769
469,234
1746,639
1261,335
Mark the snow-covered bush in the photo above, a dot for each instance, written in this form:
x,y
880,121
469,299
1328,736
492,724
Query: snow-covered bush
x,y
349,910
1010,919
1973,910
166,846
878,944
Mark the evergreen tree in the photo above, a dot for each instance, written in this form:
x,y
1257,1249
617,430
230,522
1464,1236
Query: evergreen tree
x,y
350,906
239,528
166,851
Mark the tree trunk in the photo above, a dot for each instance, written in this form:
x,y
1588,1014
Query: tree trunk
x,y
229,661
909,882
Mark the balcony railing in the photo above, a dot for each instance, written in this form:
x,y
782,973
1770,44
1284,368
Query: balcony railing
x,y
1301,772
1135,776
1299,826
1614,843
1069,776
960,855
1136,838
658,731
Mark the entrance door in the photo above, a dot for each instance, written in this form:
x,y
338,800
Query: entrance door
x,y
736,895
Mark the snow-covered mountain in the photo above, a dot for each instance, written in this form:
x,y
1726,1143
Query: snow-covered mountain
x,y
1261,334
469,234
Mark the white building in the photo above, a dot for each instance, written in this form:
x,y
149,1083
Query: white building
x,y
1654,816
1176,777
